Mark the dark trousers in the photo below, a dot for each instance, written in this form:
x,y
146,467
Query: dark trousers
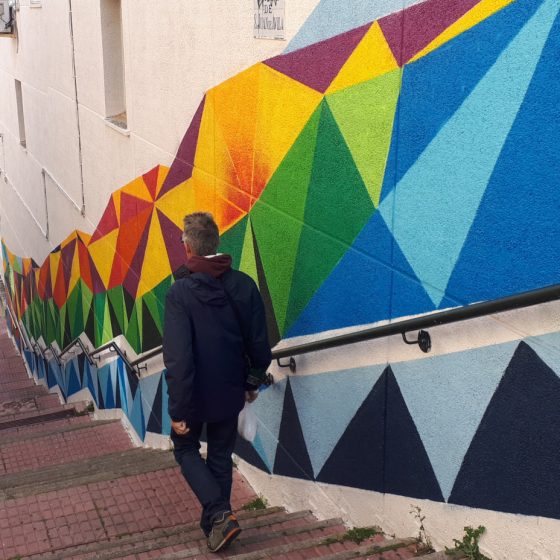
x,y
210,480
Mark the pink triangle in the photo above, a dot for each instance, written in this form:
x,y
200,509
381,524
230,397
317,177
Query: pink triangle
x,y
421,24
316,66
108,222
181,168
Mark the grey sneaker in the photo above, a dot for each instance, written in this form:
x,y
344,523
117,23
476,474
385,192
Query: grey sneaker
x,y
225,530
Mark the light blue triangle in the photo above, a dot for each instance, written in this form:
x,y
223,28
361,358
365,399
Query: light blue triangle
x,y
332,17
547,346
136,417
326,403
268,409
165,419
447,397
124,387
103,374
113,371
94,385
148,387
437,199
258,445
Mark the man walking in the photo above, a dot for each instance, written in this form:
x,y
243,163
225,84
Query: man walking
x,y
215,349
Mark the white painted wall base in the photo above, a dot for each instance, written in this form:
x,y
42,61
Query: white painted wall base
x,y
508,536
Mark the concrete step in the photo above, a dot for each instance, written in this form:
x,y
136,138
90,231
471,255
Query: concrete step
x,y
151,540
15,394
35,416
57,449
78,473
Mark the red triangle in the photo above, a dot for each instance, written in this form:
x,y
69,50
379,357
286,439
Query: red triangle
x,y
108,222
410,30
130,236
150,179
132,206
59,292
85,270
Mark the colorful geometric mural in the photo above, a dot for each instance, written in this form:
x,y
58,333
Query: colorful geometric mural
x,y
382,155
389,163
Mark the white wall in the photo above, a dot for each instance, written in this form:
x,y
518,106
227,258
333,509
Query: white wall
x,y
174,50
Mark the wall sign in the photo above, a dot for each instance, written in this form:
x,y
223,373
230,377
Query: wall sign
x,y
269,19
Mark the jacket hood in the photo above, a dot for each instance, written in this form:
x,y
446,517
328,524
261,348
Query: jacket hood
x,y
207,289
214,266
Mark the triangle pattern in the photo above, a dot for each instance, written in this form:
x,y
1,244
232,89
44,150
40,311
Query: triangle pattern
x,y
268,409
408,471
365,115
409,31
440,179
547,348
155,418
317,65
148,390
315,396
507,468
248,263
355,462
434,389
292,458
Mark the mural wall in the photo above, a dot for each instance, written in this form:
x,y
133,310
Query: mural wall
x,y
389,163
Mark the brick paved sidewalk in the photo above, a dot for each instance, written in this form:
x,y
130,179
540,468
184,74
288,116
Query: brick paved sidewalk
x,y
72,487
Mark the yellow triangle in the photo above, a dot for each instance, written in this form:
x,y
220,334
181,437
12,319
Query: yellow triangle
x,y
162,174
55,263
285,106
75,272
481,11
178,202
102,253
371,58
137,188
117,202
155,266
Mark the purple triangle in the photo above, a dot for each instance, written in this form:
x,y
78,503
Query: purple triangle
x,y
172,237
66,256
420,25
317,66
181,168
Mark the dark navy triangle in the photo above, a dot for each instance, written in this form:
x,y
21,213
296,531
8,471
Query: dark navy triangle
x,y
118,393
512,464
154,421
132,382
248,453
357,459
100,400
435,86
109,397
520,208
292,458
74,384
81,367
408,471
151,337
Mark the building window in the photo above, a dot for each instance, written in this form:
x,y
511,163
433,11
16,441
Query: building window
x,y
21,118
113,62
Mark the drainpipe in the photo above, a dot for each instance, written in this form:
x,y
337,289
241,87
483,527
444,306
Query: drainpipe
x,y
71,22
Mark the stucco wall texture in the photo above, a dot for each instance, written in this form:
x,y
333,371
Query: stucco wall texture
x,y
396,159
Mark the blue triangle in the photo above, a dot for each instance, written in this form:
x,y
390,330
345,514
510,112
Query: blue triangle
x,y
517,227
360,289
103,374
73,380
259,448
165,419
450,177
124,387
332,17
436,85
148,389
136,417
436,390
268,409
316,395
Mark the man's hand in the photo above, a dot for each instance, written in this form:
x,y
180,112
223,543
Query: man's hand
x,y
180,428
251,396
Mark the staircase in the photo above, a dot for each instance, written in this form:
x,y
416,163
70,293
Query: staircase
x,y
72,487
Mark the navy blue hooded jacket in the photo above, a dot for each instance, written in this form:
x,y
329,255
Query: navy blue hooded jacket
x,y
203,348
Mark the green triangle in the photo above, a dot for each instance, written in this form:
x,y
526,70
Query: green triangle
x,y
231,241
365,114
160,291
52,329
133,333
107,334
61,325
87,301
74,310
278,215
247,263
338,206
116,299
99,317
154,309
287,189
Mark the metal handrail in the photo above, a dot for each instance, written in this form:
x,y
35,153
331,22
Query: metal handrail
x,y
473,311
509,303
77,342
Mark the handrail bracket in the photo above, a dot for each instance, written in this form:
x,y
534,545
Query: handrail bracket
x,y
423,340
291,364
